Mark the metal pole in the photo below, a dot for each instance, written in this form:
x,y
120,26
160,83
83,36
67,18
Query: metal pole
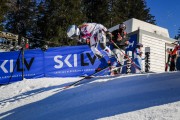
x,y
23,63
14,67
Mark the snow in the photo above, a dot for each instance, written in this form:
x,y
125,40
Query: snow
x,y
154,96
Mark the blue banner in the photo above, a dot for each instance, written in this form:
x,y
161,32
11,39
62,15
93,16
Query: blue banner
x,y
69,61
11,65
130,51
132,43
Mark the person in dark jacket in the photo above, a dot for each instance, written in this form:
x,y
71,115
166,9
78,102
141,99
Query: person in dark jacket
x,y
176,53
121,39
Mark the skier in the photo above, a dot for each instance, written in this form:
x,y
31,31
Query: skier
x,y
120,38
92,34
138,56
176,52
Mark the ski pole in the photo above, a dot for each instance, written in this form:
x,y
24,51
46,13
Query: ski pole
x,y
127,57
14,67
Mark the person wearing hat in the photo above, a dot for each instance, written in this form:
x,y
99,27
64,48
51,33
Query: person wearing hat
x,y
138,57
176,52
120,38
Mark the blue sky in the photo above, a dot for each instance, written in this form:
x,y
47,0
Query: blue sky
x,y
167,14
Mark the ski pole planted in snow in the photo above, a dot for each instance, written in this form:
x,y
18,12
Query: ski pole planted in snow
x,y
127,57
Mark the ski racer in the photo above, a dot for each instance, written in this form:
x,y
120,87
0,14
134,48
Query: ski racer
x,y
138,56
93,34
120,38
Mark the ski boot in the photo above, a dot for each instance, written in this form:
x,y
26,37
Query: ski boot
x,y
102,65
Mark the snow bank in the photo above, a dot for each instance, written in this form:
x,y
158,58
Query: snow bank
x,y
133,97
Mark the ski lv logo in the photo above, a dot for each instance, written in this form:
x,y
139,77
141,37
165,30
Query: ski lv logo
x,y
7,66
71,60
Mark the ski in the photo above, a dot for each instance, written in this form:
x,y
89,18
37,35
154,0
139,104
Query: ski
x,y
93,75
85,77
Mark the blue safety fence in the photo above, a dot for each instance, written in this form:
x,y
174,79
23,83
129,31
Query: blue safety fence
x,y
55,62
68,61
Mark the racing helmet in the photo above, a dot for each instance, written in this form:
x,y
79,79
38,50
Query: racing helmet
x,y
122,26
73,32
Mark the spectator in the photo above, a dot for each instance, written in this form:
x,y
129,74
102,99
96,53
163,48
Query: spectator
x,y
176,52
120,38
138,57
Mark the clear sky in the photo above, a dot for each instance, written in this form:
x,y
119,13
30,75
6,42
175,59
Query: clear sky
x,y
167,14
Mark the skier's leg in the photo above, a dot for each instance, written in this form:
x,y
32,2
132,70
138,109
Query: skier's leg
x,y
112,57
120,59
120,55
102,43
98,54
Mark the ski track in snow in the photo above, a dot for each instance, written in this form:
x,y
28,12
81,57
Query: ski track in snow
x,y
154,96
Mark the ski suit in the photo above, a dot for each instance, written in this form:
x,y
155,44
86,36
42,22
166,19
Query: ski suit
x,y
95,34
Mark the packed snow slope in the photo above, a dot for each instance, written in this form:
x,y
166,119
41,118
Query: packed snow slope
x,y
130,97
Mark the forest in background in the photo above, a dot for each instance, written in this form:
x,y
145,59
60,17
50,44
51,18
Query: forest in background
x,y
46,21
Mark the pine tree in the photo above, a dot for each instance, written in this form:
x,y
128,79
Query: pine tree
x,y
48,20
116,12
37,22
178,35
18,17
3,9
123,10
138,9
113,12
96,10
61,14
